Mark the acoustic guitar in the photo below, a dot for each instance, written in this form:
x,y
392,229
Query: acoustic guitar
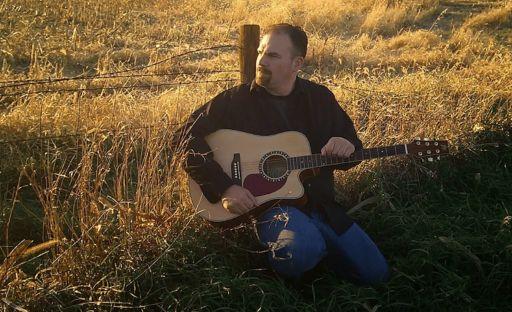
x,y
274,167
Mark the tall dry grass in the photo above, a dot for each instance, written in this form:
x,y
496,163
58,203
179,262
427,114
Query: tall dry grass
x,y
116,198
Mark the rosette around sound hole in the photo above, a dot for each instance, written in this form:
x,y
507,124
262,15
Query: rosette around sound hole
x,y
275,167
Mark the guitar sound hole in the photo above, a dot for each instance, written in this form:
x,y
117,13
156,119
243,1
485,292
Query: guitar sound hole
x,y
275,166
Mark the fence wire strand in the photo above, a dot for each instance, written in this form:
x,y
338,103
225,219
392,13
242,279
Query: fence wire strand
x,y
137,68
111,75
93,77
135,86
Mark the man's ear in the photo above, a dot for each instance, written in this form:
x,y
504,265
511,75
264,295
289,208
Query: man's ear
x,y
298,62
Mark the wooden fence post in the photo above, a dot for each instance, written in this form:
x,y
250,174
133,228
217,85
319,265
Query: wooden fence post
x,y
249,41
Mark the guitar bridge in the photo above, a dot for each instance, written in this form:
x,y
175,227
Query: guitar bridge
x,y
236,170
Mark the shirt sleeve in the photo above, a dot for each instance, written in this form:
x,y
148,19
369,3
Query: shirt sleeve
x,y
342,126
199,162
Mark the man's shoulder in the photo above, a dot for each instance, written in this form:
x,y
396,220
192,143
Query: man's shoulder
x,y
241,90
314,87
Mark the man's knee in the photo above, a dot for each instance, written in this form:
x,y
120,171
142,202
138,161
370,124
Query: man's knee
x,y
296,252
295,244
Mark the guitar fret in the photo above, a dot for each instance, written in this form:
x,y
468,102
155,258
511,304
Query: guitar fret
x,y
359,155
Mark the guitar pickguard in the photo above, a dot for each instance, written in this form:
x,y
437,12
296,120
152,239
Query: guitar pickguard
x,y
259,186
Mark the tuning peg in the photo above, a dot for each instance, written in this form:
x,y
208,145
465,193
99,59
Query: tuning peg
x,y
438,157
426,139
430,159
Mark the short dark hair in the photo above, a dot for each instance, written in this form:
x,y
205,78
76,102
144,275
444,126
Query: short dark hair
x,y
297,35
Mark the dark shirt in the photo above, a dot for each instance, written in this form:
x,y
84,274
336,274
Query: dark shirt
x,y
310,109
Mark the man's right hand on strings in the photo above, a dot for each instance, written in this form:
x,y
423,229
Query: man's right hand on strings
x,y
238,200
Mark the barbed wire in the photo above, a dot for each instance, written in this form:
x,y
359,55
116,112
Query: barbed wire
x,y
93,77
136,86
133,68
111,75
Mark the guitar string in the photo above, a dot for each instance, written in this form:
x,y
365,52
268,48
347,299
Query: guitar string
x,y
343,161
252,165
255,165
316,160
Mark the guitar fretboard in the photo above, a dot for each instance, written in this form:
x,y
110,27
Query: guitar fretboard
x,y
318,160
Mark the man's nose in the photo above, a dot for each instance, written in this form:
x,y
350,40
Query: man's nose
x,y
261,61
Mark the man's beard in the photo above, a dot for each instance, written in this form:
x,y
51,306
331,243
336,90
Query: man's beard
x,y
263,77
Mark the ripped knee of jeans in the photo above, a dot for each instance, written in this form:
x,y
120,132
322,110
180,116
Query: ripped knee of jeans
x,y
284,253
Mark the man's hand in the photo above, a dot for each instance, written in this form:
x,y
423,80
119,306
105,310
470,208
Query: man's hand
x,y
238,200
338,146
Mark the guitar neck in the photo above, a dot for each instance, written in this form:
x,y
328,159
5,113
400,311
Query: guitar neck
x,y
318,160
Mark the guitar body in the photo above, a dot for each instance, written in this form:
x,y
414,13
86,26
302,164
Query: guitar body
x,y
262,169
273,167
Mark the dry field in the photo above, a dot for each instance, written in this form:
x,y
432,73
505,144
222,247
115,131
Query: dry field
x,y
91,92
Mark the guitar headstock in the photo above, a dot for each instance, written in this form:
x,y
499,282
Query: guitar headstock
x,y
431,149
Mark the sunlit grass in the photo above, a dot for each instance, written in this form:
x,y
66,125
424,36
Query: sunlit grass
x,y
116,199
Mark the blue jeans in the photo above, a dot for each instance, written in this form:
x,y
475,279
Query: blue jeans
x,y
298,242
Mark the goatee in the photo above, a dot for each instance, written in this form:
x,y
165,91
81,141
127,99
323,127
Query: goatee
x,y
263,77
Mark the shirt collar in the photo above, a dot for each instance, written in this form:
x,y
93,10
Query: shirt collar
x,y
298,88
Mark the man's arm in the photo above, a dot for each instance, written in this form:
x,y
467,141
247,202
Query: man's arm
x,y
199,163
342,127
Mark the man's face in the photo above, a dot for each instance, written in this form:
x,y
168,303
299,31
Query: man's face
x,y
276,65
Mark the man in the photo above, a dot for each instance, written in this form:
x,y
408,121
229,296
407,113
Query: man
x,y
298,238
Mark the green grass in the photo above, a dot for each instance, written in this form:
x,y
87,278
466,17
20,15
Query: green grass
x,y
445,228
446,238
